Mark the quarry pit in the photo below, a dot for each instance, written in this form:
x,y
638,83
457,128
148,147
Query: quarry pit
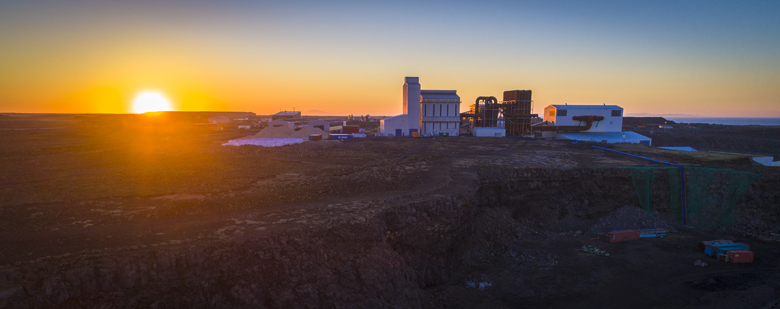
x,y
90,219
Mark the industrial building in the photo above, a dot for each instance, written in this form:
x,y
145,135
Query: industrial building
x,y
513,114
597,123
427,112
604,118
433,112
321,124
286,115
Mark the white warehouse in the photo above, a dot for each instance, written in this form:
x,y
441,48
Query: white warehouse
x,y
428,112
597,123
562,115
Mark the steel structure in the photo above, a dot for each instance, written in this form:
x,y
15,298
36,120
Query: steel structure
x,y
516,109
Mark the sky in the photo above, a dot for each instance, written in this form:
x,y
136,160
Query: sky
x,y
704,58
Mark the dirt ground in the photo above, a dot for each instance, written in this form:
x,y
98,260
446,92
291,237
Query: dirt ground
x,y
77,186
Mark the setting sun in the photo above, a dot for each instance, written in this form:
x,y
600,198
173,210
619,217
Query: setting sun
x,y
149,101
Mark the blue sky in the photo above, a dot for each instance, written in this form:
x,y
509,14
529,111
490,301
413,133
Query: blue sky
x,y
708,58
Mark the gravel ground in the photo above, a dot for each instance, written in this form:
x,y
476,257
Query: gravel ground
x,y
628,217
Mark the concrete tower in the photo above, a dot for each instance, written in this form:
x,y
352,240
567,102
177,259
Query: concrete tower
x,y
412,102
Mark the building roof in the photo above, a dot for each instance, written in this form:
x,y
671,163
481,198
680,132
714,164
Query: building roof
x,y
286,113
394,117
609,137
427,91
439,96
562,106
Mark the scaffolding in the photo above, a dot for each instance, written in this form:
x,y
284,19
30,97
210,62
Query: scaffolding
x,y
516,109
513,113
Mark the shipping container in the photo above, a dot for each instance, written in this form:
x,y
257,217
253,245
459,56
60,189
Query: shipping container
x,y
703,244
415,134
340,136
714,249
623,235
740,256
315,137
350,129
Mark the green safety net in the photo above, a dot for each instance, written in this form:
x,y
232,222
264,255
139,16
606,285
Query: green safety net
x,y
675,193
643,177
710,193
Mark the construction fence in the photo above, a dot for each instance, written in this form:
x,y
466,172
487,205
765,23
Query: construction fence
x,y
698,196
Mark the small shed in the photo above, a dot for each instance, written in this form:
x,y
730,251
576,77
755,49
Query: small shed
x,y
396,125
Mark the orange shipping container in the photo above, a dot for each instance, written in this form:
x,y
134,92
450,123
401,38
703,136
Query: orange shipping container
x,y
740,256
623,235
350,129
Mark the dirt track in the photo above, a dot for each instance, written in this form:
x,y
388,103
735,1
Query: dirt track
x,y
95,217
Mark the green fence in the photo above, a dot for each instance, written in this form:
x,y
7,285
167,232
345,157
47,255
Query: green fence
x,y
710,193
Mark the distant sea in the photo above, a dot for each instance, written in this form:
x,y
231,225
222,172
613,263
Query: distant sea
x,y
728,121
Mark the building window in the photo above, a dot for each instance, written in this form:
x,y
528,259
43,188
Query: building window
x,y
440,113
617,113
562,112
552,113
448,109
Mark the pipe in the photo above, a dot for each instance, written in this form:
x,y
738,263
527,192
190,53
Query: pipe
x,y
682,178
588,124
487,99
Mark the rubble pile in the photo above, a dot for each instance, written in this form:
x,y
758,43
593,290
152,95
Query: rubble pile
x,y
754,228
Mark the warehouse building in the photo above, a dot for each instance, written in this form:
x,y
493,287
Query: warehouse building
x,y
597,123
564,115
427,112
286,115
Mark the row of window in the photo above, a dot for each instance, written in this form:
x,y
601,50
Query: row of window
x,y
443,110
430,127
563,112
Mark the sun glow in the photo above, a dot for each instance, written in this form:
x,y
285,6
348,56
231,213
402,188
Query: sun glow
x,y
149,101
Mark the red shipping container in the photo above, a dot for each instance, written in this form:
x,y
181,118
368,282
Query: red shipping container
x,y
350,129
622,235
740,256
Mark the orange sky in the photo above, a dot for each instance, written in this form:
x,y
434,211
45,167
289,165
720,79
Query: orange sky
x,y
351,59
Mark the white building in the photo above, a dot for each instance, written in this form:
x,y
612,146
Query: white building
x,y
562,115
396,125
428,112
440,112
606,130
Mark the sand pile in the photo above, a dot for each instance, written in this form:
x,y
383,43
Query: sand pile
x,y
305,132
272,132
